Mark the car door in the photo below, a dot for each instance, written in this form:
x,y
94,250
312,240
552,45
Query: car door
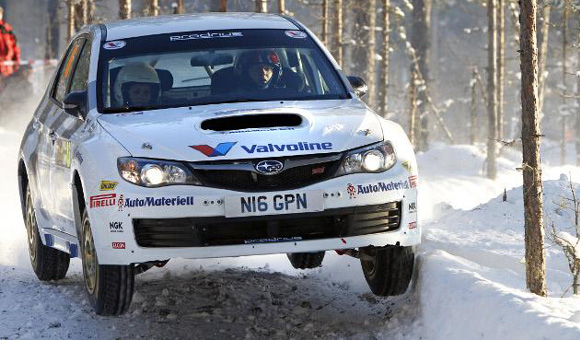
x,y
61,129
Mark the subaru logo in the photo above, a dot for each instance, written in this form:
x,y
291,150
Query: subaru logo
x,y
269,167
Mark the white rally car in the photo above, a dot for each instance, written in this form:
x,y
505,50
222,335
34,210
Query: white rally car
x,y
203,136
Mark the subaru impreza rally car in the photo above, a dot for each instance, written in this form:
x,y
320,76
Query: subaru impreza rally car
x,y
204,136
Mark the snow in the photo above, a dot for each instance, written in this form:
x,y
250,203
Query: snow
x,y
470,282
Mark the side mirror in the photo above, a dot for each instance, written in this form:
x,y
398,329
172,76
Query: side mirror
x,y
359,85
75,104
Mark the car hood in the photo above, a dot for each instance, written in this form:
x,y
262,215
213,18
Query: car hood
x,y
263,130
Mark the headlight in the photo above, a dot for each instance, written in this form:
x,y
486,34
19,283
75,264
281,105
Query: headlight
x,y
154,173
375,158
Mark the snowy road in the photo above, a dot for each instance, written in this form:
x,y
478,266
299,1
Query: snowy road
x,y
471,285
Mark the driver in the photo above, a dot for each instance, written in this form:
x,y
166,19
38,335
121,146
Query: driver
x,y
137,84
261,67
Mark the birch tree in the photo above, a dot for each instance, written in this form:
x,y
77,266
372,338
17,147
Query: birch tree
x,y
325,22
491,88
500,67
261,6
531,167
154,8
180,7
421,21
282,6
385,54
124,9
337,29
224,6
71,19
565,16
543,54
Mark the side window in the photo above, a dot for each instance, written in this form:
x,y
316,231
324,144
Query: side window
x,y
66,70
81,74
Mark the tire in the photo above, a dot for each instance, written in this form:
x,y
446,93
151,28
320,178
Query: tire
x,y
48,263
306,260
109,287
390,271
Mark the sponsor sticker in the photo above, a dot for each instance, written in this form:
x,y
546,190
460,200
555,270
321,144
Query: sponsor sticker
x,y
207,35
116,227
220,150
118,245
351,190
413,181
362,189
108,185
412,225
154,202
114,45
296,34
407,165
273,239
102,201
223,148
412,207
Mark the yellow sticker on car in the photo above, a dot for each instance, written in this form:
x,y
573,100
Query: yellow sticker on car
x,y
108,185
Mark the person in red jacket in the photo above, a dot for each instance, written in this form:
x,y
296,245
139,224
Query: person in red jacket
x,y
9,50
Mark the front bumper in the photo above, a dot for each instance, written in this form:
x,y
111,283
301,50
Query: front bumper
x,y
174,228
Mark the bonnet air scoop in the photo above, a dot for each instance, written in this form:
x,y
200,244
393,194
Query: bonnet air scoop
x,y
255,121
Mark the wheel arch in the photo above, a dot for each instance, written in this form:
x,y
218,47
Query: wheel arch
x,y
78,198
22,185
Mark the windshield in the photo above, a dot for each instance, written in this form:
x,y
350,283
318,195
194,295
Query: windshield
x,y
186,69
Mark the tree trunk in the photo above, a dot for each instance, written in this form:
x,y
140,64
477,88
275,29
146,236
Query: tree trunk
x,y
71,20
565,16
371,54
85,11
421,22
261,6
124,9
413,107
281,6
154,8
532,172
224,6
491,89
53,34
325,23
473,110
500,68
577,135
180,7
337,41
542,57
384,82
361,42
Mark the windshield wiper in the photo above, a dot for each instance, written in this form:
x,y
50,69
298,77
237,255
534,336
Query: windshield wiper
x,y
129,108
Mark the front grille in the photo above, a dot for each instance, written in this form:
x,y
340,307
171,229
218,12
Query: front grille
x,y
293,178
221,231
242,175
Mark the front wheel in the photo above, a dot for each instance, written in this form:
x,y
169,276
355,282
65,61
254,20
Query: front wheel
x,y
388,270
110,288
48,263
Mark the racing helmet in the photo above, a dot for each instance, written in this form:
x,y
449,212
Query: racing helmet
x,y
132,74
247,60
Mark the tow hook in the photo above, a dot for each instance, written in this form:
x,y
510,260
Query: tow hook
x,y
355,253
143,267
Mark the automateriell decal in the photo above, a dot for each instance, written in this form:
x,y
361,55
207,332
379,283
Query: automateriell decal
x,y
154,202
362,189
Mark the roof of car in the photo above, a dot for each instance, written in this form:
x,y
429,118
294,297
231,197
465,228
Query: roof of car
x,y
194,22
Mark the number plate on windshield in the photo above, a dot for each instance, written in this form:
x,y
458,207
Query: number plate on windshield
x,y
274,203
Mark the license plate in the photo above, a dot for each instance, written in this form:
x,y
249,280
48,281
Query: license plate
x,y
274,203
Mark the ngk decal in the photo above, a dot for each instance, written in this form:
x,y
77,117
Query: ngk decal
x,y
100,201
118,245
116,227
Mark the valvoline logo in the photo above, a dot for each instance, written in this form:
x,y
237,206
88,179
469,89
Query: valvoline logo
x,y
220,150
